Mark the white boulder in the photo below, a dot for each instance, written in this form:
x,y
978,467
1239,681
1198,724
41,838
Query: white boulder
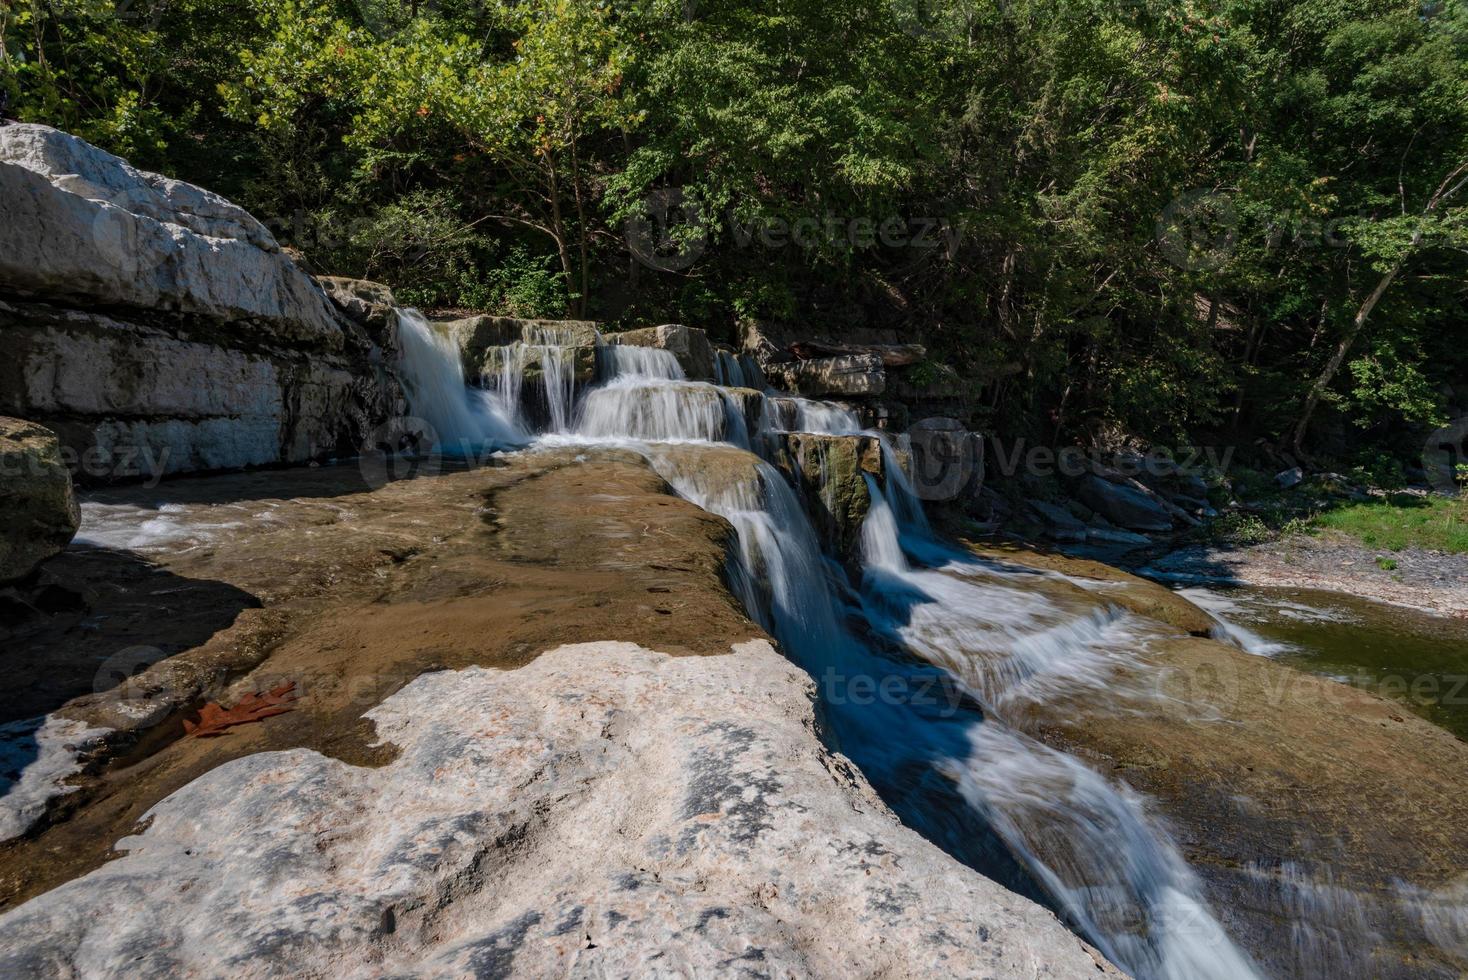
x,y
603,811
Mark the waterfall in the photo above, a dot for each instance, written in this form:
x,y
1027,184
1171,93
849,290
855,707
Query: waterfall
x,y
1090,844
790,414
618,362
635,408
957,765
1222,609
728,371
467,421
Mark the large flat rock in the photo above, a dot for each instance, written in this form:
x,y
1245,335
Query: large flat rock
x,y
80,225
604,811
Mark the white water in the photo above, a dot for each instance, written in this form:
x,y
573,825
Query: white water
x,y
1225,613
983,637
738,371
661,411
617,362
504,372
467,421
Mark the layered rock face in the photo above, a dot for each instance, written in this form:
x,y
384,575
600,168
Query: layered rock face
x,y
41,513
846,374
160,329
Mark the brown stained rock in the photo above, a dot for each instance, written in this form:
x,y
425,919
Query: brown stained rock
x,y
832,471
1130,592
1284,787
1279,786
351,594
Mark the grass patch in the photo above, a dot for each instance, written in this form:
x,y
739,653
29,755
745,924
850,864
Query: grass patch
x,y
1403,521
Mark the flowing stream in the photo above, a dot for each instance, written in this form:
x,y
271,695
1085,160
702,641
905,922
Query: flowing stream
x,y
926,658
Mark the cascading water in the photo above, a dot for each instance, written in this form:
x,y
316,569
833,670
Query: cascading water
x,y
467,421
955,647
1092,847
549,350
618,363
647,410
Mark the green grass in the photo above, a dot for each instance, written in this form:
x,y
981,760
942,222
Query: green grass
x,y
1402,521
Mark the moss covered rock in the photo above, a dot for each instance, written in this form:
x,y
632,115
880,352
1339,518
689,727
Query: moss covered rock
x,y
832,471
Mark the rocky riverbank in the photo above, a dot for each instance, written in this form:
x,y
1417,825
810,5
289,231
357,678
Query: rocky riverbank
x,y
1327,561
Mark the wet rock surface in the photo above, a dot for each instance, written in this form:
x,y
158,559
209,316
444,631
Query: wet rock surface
x,y
689,345
446,796
207,589
832,470
1298,800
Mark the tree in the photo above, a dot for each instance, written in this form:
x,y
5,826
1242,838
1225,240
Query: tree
x,y
522,96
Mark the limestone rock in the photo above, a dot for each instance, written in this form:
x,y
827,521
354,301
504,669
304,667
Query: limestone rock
x,y
689,344
160,329
36,499
833,471
368,304
680,816
79,225
1123,505
892,355
850,374
485,341
132,400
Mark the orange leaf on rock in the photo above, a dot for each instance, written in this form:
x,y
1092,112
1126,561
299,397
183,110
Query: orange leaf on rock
x,y
215,720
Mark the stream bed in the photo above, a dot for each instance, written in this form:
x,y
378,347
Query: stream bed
x,y
1400,653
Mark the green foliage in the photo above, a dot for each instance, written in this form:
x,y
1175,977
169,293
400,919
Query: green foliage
x,y
1402,521
1376,468
1164,219
519,284
1241,529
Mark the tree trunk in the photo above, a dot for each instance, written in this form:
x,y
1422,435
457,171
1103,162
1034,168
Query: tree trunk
x,y
1322,383
1449,188
582,233
558,232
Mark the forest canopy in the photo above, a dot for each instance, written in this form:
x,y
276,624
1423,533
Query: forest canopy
x,y
1164,218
